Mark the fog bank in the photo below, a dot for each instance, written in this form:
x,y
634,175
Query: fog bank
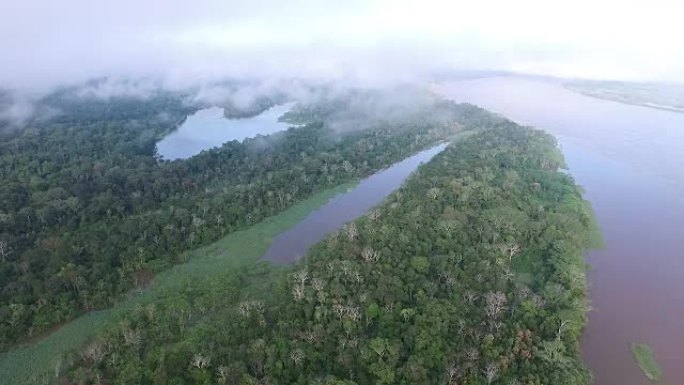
x,y
46,44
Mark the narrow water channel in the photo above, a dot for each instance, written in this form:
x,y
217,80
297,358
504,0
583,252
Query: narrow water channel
x,y
292,244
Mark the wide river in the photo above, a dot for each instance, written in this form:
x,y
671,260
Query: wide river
x,y
630,161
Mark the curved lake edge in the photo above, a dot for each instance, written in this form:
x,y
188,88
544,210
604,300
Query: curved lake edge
x,y
208,128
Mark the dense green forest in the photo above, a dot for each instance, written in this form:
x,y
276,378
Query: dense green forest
x,y
255,107
89,212
471,273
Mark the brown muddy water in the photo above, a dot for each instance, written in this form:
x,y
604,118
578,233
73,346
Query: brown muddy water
x,y
293,243
630,161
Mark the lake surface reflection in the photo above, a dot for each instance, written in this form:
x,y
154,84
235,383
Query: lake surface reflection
x,y
208,128
630,161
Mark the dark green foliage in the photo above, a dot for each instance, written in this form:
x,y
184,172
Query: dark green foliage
x,y
471,273
88,212
257,106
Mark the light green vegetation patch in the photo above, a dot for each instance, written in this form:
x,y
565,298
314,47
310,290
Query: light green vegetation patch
x,y
239,250
643,354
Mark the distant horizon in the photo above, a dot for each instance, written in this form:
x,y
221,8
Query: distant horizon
x,y
379,41
18,107
169,83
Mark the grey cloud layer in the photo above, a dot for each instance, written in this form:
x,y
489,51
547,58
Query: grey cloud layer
x,y
45,43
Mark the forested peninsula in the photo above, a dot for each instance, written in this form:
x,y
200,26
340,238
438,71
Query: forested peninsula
x,y
88,212
471,273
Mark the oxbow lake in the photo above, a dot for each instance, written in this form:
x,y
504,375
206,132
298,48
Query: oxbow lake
x,y
630,162
208,128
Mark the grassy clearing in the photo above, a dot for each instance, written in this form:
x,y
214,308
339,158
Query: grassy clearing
x,y
643,354
29,363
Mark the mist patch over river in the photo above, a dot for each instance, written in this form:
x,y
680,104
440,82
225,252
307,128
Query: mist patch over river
x,y
630,161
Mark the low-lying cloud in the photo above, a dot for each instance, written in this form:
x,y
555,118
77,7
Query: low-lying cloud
x,y
16,111
107,88
46,44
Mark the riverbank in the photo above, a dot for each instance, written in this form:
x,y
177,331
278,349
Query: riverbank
x,y
294,243
239,250
628,160
622,96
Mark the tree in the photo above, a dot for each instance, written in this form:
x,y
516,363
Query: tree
x,y
200,361
369,255
490,372
560,328
495,302
510,249
297,356
4,250
351,231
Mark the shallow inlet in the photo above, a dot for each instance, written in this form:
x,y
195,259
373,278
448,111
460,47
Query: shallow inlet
x,y
292,244
629,161
208,128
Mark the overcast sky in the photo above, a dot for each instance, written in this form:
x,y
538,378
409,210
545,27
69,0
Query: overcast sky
x,y
46,42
